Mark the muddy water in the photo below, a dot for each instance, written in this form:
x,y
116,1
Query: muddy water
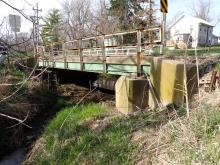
x,y
15,158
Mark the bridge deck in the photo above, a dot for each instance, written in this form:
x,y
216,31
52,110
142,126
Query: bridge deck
x,y
119,65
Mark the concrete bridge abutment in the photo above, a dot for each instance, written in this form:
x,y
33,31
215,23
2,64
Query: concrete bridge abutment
x,y
164,85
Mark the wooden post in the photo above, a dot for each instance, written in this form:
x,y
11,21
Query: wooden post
x,y
138,53
197,71
103,55
163,29
65,58
81,54
48,81
213,81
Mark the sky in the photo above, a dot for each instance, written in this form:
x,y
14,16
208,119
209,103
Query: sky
x,y
175,6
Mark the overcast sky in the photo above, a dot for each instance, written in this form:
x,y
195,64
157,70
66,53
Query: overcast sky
x,y
27,5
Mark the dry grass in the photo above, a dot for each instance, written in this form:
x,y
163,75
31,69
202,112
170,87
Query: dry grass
x,y
193,140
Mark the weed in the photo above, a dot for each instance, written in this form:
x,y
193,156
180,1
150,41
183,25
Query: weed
x,y
218,67
12,72
193,140
191,52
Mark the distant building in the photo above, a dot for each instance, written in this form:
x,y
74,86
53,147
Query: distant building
x,y
191,30
215,40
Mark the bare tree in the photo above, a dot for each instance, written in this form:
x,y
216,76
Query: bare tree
x,y
104,23
77,18
202,9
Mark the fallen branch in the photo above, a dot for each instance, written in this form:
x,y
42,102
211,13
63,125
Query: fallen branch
x,y
16,119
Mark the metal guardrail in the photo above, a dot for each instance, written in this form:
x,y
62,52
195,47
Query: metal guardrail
x,y
124,43
92,52
130,51
118,44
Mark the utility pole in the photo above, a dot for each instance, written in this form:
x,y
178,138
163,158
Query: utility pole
x,y
164,11
150,13
36,35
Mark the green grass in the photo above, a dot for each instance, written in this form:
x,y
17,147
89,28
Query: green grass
x,y
218,67
12,72
193,140
77,143
190,52
17,73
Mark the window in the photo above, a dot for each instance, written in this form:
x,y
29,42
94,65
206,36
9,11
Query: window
x,y
200,29
190,39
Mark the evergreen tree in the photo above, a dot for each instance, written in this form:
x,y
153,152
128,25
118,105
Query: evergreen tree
x,y
126,11
50,29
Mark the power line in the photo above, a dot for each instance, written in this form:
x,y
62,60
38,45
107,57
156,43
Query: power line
x,y
28,3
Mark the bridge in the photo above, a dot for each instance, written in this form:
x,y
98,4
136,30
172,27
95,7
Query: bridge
x,y
127,54
123,53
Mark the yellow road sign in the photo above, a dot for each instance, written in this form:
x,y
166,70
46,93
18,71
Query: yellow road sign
x,y
164,6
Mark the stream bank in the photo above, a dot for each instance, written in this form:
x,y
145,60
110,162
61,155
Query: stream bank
x,y
41,106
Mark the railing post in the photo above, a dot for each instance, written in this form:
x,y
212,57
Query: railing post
x,y
104,55
81,54
163,30
138,53
65,56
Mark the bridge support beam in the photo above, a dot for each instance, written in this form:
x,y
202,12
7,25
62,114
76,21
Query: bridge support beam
x,y
131,94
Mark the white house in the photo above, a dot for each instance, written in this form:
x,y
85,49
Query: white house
x,y
191,30
215,40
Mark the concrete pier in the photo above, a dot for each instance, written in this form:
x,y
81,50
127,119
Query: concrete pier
x,y
131,94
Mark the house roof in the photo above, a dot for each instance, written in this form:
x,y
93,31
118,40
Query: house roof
x,y
195,20
215,36
202,21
